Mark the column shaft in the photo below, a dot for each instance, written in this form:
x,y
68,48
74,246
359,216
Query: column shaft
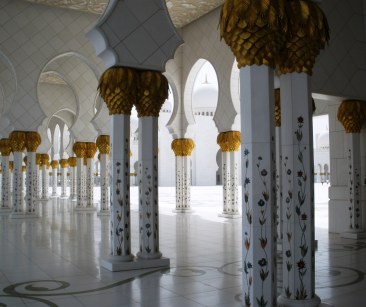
x,y
17,184
5,185
148,188
279,185
44,182
80,186
54,181
89,183
64,182
31,189
104,184
73,183
258,168
120,187
298,192
234,181
226,182
183,183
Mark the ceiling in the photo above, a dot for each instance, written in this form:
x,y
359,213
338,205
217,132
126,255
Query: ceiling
x,y
182,12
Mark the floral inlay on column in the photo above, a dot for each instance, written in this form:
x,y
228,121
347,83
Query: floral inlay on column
x,y
103,143
182,149
5,149
118,88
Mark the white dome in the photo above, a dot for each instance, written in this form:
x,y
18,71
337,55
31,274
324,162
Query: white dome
x,y
205,97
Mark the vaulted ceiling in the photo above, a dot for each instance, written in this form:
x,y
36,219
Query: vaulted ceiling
x,y
182,12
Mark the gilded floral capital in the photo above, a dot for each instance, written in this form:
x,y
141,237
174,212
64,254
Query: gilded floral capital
x,y
32,141
79,149
17,141
118,88
229,141
38,159
103,143
182,147
91,149
44,159
5,147
64,163
308,33
25,160
152,93
72,161
54,164
254,30
352,115
24,168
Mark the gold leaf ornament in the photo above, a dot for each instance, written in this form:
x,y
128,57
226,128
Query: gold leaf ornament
x,y
90,150
17,141
152,93
352,115
72,161
32,140
103,144
64,163
118,88
254,30
79,149
5,147
182,147
229,141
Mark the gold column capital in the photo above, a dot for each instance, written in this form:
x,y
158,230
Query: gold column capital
x,y
118,88
5,147
11,165
25,160
254,30
17,141
103,143
72,161
229,141
54,164
44,159
182,147
91,149
308,33
32,140
79,149
152,93
24,168
64,163
352,115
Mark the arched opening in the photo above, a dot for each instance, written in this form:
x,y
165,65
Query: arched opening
x,y
204,99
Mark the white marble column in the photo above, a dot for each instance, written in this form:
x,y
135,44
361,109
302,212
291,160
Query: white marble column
x,y
298,245
258,171
182,149
17,139
352,116
33,140
73,179
229,143
38,177
54,165
90,151
64,164
79,150
103,143
148,188
44,159
120,188
5,149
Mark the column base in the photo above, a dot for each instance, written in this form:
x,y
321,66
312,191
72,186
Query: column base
x,y
44,199
17,215
230,215
5,210
354,234
114,264
86,209
183,210
285,302
32,215
54,195
64,196
104,213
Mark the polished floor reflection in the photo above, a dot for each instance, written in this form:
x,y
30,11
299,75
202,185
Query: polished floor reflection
x,y
55,260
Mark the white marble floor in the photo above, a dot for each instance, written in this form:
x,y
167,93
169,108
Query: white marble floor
x,y
55,260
